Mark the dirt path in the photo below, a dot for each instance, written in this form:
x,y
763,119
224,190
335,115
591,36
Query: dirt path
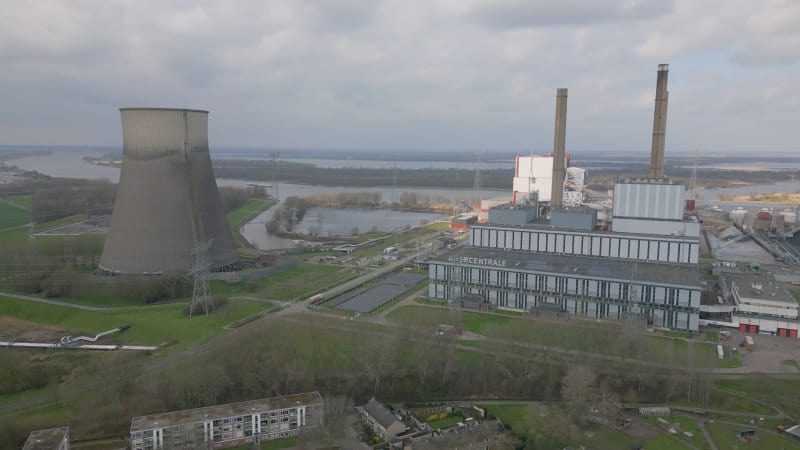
x,y
706,434
52,302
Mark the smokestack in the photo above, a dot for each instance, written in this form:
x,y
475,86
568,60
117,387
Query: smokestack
x,y
559,142
659,123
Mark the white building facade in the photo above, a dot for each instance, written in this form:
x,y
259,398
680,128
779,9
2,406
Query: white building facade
x,y
228,425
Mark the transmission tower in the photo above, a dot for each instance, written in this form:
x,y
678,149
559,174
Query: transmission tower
x,y
274,156
201,294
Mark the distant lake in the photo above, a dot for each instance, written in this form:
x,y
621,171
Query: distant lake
x,y
333,222
340,222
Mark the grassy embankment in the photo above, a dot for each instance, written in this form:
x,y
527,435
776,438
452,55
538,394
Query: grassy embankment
x,y
150,325
245,213
294,284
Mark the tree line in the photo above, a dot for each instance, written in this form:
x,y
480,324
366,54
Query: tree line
x,y
359,177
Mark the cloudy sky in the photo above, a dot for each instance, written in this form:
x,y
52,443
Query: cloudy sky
x,y
417,74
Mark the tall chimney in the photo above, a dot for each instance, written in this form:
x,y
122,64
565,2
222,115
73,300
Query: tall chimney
x,y
559,142
659,123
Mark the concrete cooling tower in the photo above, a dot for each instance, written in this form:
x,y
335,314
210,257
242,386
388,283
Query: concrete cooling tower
x,y
167,200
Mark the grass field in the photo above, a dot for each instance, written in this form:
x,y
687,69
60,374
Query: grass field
x,y
444,423
773,391
293,284
686,424
574,334
526,420
664,442
150,325
14,214
723,436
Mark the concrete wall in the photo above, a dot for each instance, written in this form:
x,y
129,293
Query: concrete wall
x,y
658,227
649,200
512,216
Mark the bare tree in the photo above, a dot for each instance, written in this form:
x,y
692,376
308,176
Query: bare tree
x,y
577,389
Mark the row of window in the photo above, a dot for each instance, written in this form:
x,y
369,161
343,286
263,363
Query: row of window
x,y
542,241
575,286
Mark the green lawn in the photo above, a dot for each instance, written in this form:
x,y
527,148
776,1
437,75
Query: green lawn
x,y
26,200
294,284
664,442
546,430
11,215
722,433
770,390
686,424
706,356
150,325
446,422
573,334
680,352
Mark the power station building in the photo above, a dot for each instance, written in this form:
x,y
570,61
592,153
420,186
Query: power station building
x,y
645,267
229,425
167,201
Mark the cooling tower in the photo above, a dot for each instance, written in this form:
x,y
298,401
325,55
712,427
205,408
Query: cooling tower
x,y
167,200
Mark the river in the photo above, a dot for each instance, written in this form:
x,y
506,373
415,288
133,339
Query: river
x,y
70,164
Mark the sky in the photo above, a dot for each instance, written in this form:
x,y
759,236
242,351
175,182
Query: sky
x,y
406,74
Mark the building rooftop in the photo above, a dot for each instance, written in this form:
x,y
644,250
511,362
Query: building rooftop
x,y
49,439
595,267
759,286
221,411
379,412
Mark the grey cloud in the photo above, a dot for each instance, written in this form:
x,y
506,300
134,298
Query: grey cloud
x,y
544,13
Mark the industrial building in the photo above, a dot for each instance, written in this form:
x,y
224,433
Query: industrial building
x,y
229,425
754,303
167,202
644,266
50,439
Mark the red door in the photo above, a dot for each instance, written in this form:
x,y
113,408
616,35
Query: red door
x,y
793,333
742,327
